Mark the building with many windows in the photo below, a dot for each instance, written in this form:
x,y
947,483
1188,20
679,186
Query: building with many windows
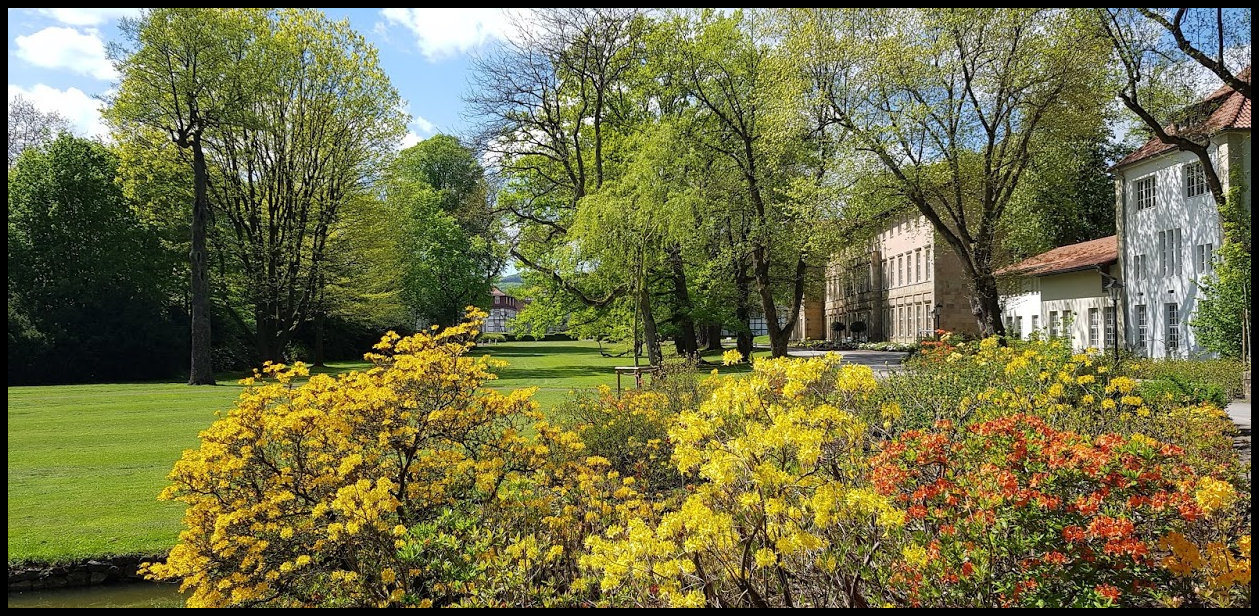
x,y
889,289
503,308
1065,293
1169,225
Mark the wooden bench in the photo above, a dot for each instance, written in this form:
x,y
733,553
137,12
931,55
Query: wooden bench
x,y
637,371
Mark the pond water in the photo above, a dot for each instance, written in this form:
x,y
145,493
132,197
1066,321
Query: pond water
x,y
119,595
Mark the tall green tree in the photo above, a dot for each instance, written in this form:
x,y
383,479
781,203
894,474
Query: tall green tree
x,y
180,73
1067,198
955,104
451,238
552,102
764,135
322,119
88,282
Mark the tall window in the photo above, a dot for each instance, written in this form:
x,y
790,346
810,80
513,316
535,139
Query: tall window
x,y
1035,322
1162,253
1195,179
1018,326
1143,326
1053,323
900,270
1095,326
1108,318
1175,258
1067,320
1169,252
918,265
1145,192
1203,255
1172,336
1139,267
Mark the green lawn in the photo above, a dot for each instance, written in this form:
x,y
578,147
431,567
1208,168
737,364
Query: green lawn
x,y
86,461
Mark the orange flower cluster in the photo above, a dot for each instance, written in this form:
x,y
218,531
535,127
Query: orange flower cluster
x,y
981,497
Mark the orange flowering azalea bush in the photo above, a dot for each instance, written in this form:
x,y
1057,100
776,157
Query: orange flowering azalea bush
x,y
1012,512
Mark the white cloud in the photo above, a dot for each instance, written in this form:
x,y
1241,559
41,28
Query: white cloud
x,y
414,136
410,139
88,17
445,32
83,111
67,48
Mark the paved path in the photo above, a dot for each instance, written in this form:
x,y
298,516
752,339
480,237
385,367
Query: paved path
x,y
882,362
1239,411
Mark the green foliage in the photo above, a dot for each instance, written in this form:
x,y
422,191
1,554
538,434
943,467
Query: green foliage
x,y
1175,390
449,240
1069,196
86,278
1223,375
1224,303
631,430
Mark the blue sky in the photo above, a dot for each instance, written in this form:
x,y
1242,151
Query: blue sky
x,y
57,58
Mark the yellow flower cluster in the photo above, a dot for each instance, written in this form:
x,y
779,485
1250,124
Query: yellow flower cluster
x,y
779,465
1217,564
345,466
1213,495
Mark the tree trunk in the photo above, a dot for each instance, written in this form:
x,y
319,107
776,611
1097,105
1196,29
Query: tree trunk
x,y
685,341
651,338
985,305
266,334
201,371
743,312
318,351
712,334
778,335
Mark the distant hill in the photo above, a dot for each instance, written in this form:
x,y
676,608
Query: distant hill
x,y
509,282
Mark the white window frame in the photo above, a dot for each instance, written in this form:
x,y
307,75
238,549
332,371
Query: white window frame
x,y
1143,325
1145,192
1108,321
1171,337
1195,179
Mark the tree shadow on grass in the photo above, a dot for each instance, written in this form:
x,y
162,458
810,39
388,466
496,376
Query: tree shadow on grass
x,y
548,374
538,350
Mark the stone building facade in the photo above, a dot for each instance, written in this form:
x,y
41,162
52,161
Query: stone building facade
x,y
888,289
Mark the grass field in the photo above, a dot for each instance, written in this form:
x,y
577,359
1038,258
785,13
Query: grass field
x,y
86,461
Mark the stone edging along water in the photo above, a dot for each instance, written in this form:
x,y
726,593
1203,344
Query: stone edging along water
x,y
73,574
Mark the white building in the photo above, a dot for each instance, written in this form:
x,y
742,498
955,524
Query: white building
x,y
503,308
1063,293
1169,226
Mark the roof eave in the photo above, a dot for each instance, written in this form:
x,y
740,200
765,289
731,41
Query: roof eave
x,y
1078,268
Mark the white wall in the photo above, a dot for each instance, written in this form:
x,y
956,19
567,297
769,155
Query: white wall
x,y
1022,307
1077,292
1198,221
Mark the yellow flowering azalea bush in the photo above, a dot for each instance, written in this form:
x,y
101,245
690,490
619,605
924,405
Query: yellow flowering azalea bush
x,y
777,511
348,490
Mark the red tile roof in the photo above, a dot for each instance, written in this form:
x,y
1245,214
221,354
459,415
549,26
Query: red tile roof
x,y
1080,256
1223,109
